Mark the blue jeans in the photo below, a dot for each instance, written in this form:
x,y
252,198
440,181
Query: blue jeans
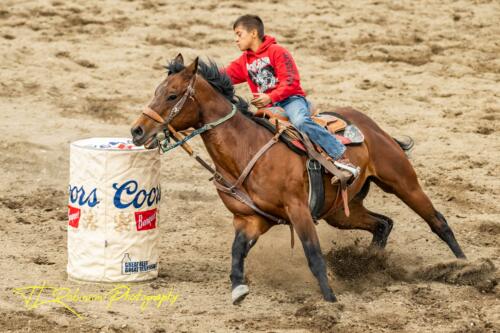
x,y
297,109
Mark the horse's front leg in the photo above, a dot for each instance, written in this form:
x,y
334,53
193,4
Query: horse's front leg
x,y
302,221
247,231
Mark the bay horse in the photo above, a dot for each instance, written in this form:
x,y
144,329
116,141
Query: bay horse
x,y
198,94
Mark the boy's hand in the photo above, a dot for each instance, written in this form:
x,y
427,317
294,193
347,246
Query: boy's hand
x,y
261,100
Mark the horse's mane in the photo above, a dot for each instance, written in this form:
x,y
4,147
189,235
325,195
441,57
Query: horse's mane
x,y
220,81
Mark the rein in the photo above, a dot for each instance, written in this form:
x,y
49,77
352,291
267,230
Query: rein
x,y
224,185
233,189
165,145
242,196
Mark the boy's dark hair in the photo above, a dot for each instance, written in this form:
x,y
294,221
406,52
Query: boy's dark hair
x,y
250,22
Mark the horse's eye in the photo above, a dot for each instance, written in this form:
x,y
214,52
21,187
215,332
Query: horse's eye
x,y
171,97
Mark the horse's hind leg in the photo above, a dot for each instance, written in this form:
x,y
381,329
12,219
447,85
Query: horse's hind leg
x,y
247,231
404,184
361,218
383,229
421,204
302,221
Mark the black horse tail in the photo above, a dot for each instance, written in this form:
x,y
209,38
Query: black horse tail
x,y
406,143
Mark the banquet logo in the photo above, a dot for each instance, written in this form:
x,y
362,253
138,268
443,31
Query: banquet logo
x,y
128,194
73,216
80,196
145,220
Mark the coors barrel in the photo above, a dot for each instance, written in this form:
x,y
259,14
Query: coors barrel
x,y
113,211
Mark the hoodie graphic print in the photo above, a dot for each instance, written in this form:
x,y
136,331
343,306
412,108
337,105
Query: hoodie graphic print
x,y
262,74
271,70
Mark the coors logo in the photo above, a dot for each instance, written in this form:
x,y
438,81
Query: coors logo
x,y
145,220
73,216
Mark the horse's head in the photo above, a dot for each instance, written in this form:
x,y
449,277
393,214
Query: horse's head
x,y
173,104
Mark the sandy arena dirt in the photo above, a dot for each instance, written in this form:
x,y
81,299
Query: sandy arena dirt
x,y
428,69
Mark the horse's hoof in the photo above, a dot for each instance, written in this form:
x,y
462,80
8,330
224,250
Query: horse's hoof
x,y
331,298
239,293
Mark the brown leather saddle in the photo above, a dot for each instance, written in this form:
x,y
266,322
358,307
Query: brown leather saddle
x,y
346,133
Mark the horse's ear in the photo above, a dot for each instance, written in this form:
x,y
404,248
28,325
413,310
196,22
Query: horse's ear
x,y
179,59
193,68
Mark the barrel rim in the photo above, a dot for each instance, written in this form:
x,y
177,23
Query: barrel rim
x,y
78,144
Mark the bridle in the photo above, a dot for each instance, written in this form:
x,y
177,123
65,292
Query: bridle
x,y
164,144
153,115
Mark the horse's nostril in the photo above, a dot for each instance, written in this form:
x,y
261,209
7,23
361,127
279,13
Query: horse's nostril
x,y
137,132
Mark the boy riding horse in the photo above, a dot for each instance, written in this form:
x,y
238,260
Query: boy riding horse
x,y
272,75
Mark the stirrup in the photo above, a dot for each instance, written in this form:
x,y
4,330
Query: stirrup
x,y
350,171
354,170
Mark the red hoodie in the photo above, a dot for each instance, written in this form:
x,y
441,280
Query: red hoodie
x,y
270,70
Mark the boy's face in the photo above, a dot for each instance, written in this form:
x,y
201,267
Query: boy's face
x,y
244,38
